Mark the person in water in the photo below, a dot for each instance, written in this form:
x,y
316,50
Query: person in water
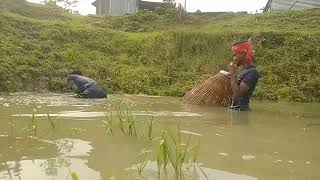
x,y
244,85
84,86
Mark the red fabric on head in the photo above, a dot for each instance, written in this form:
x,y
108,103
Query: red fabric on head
x,y
247,47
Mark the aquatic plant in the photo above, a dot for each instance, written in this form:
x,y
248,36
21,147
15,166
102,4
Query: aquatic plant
x,y
195,153
150,128
163,153
177,157
51,121
126,121
171,149
108,124
142,164
131,124
74,176
121,119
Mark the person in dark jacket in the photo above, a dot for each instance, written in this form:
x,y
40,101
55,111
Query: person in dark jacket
x,y
244,85
84,86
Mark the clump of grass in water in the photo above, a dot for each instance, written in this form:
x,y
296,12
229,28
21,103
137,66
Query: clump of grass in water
x,y
121,119
177,156
127,122
142,164
52,122
74,176
150,128
170,149
195,153
108,124
131,123
162,153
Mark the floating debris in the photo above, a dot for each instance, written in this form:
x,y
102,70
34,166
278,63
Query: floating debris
x,y
223,154
6,104
189,132
248,157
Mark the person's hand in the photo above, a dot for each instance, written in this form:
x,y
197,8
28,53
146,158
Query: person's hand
x,y
232,68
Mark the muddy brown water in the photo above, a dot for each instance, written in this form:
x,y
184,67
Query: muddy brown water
x,y
276,141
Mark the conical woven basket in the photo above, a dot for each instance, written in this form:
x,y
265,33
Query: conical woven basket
x,y
214,91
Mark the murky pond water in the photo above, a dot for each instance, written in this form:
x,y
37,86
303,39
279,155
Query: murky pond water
x,y
275,141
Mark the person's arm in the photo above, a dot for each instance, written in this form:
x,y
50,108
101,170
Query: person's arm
x,y
237,90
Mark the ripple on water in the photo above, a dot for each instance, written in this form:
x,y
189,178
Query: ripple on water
x,y
248,157
81,114
190,171
68,158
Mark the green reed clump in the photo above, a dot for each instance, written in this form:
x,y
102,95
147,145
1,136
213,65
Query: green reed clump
x,y
52,122
74,176
150,128
177,154
195,153
163,153
131,124
126,122
144,161
108,124
121,119
171,149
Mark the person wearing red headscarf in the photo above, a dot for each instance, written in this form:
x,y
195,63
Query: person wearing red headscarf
x,y
244,85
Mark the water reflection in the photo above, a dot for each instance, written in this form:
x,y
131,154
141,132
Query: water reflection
x,y
239,118
275,141
32,162
190,172
79,114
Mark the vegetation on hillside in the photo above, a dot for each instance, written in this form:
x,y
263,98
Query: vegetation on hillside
x,y
154,53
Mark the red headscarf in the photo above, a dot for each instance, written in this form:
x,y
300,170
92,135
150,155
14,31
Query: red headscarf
x,y
244,46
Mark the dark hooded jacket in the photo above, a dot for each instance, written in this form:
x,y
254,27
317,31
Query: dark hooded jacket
x,y
86,87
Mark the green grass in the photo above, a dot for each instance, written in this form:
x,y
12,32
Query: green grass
x,y
171,149
149,53
108,124
150,128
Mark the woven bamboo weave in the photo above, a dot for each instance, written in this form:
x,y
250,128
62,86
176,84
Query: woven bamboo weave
x,y
214,91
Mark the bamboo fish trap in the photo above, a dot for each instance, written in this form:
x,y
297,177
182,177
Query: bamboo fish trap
x,y
214,91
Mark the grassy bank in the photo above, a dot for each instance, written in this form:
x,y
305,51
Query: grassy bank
x,y
152,54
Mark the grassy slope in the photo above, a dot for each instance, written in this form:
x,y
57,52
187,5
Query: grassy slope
x,y
149,53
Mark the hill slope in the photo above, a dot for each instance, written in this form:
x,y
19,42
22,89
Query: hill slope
x,y
149,53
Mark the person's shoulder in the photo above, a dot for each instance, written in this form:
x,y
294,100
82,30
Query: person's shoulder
x,y
254,71
73,76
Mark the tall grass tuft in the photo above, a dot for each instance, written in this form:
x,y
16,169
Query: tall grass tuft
x,y
74,176
195,153
52,122
171,149
150,128
126,121
142,164
121,119
108,124
131,124
163,154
